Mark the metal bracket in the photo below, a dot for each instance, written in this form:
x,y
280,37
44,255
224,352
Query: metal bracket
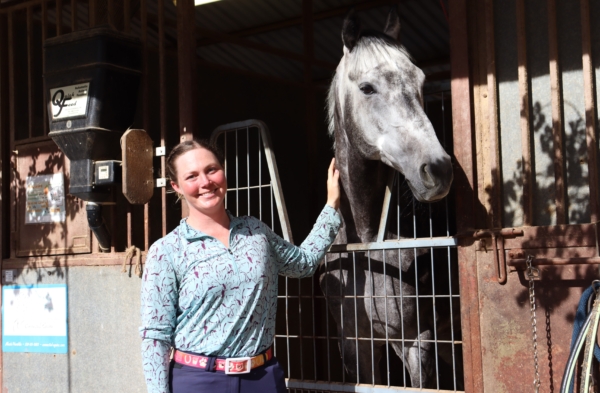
x,y
160,182
499,254
160,151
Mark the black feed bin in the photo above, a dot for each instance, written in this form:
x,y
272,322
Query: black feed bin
x,y
91,81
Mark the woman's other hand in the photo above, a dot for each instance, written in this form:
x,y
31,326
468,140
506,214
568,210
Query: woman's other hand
x,y
333,185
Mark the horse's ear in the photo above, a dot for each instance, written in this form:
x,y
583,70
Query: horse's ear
x,y
392,26
350,30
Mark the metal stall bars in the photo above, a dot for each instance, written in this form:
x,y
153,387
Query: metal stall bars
x,y
362,352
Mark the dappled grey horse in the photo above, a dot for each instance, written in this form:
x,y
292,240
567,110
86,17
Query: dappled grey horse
x,y
377,121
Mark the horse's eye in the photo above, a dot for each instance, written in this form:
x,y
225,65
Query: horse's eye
x,y
367,89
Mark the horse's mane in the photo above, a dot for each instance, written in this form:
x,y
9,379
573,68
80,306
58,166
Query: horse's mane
x,y
371,49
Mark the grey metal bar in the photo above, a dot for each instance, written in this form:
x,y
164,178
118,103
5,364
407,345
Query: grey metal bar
x,y
337,387
387,351
433,242
371,316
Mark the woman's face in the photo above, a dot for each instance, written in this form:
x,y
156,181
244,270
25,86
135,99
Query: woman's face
x,y
201,180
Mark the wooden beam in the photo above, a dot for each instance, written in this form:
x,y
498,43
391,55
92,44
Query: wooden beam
x,y
186,53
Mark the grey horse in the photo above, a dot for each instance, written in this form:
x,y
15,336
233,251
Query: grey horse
x,y
377,121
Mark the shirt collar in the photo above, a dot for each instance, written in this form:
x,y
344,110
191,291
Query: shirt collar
x,y
192,235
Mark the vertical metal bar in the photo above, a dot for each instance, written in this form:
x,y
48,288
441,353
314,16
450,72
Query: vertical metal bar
x,y
237,177
385,293
30,108
287,324
557,116
58,18
127,15
451,316
496,199
525,96
44,22
73,15
355,319
314,329
326,292
404,357
435,339
260,176
342,333
162,69
371,318
248,166
418,318
145,102
590,107
300,329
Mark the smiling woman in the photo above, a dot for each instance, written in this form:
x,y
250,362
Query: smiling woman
x,y
209,291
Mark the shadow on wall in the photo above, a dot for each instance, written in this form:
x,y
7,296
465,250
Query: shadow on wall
x,y
575,168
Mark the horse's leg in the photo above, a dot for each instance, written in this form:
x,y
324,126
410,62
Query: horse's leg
x,y
420,361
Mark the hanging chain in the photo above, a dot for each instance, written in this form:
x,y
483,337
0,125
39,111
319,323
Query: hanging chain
x,y
531,274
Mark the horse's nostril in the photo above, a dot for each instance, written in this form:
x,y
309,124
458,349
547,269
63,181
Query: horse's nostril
x,y
426,178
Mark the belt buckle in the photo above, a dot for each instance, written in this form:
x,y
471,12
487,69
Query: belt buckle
x,y
238,365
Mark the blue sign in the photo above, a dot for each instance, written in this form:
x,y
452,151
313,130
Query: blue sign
x,y
34,318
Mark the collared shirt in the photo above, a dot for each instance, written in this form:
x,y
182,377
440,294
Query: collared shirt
x,y
200,296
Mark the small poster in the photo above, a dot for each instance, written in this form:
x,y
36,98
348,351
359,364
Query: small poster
x,y
34,318
69,101
45,199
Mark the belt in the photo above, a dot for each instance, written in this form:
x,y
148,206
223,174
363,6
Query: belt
x,y
229,365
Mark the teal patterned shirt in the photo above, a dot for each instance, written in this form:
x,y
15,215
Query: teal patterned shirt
x,y
199,296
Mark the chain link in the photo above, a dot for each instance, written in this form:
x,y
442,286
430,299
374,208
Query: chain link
x,y
531,274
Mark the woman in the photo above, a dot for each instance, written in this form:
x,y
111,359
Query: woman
x,y
209,290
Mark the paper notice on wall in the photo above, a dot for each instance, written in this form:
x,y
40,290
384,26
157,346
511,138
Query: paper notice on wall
x,y
34,318
44,199
69,101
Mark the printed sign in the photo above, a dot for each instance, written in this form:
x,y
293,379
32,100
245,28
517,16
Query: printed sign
x,y
69,101
45,199
34,318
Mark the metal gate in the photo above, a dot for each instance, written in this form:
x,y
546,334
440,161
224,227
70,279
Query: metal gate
x,y
307,340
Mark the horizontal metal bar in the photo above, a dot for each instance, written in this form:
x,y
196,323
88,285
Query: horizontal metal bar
x,y
248,188
370,296
443,241
383,339
341,387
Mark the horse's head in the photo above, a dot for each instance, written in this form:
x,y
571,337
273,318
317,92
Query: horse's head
x,y
376,98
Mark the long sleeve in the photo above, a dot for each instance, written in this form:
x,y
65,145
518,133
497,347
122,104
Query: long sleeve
x,y
158,311
298,262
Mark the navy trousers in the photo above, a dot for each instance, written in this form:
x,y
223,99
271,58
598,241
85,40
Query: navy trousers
x,y
268,378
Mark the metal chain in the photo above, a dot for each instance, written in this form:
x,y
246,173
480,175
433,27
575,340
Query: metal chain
x,y
532,273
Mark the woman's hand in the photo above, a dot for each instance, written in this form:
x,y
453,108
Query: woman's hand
x,y
333,185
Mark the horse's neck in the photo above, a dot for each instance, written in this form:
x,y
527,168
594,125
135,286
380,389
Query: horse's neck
x,y
363,182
